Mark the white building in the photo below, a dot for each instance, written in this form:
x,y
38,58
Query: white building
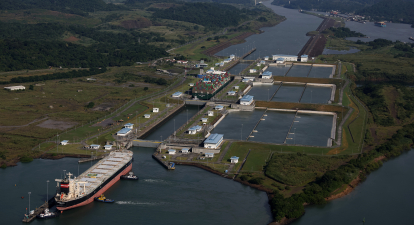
x,y
185,150
15,88
123,132
232,56
213,141
218,107
94,146
248,78
236,87
253,71
234,159
147,116
64,142
194,129
177,94
209,155
304,58
231,93
129,126
191,84
155,110
108,147
246,100
204,120
210,113
280,60
266,58
288,58
171,151
267,75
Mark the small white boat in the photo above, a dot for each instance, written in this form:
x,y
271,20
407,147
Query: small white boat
x,y
47,214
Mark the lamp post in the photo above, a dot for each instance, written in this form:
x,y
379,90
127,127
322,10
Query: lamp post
x,y
311,97
57,144
241,133
268,94
47,190
294,136
187,116
29,202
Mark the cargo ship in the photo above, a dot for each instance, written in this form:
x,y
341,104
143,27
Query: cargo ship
x,y
81,190
380,24
210,84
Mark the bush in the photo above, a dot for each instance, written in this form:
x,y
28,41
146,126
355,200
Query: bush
x,y
26,159
145,88
256,180
3,166
287,187
243,177
31,87
90,105
131,85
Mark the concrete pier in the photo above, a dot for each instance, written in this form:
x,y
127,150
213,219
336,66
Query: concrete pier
x,y
290,128
50,203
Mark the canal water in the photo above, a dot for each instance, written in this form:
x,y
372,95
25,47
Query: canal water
x,y
187,195
299,71
386,197
279,70
288,93
318,95
393,31
238,68
288,37
320,72
263,92
311,129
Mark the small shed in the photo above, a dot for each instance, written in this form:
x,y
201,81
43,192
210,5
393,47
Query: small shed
x,y
218,107
234,159
94,146
185,150
64,142
209,155
191,84
204,120
155,110
231,93
171,151
15,88
267,75
129,126
107,147
253,70
147,116
177,94
266,58
210,113
124,132
246,100
236,87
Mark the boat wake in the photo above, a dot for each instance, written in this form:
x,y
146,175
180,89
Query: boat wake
x,y
137,203
154,181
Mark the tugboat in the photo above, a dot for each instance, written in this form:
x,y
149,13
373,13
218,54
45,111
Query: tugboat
x,y
47,214
130,176
102,198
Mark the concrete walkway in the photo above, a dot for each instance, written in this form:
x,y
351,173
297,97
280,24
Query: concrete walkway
x,y
223,153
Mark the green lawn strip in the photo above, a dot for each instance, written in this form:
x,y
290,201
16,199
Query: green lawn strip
x,y
256,160
132,110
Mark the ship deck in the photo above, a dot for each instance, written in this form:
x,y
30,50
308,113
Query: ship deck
x,y
103,170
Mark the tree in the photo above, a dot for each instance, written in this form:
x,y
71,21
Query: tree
x,y
145,88
90,105
31,87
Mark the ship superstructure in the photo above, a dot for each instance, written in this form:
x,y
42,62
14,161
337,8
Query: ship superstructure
x,y
81,190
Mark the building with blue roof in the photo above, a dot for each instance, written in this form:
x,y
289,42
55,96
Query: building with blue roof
x,y
304,58
172,151
213,141
231,93
267,75
108,147
234,159
246,100
280,60
194,129
185,150
129,126
123,132
218,107
266,58
177,94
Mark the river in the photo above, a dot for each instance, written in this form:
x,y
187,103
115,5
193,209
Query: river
x,y
288,37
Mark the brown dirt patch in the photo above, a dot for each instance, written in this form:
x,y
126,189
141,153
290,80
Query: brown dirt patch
x,y
72,39
54,124
136,24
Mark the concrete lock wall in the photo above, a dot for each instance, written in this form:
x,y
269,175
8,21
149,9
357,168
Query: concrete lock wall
x,y
146,143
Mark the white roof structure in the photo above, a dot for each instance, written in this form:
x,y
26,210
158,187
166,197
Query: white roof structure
x,y
15,88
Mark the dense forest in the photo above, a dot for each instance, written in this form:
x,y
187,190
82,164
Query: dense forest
x,y
79,7
343,32
35,46
206,14
395,11
326,5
